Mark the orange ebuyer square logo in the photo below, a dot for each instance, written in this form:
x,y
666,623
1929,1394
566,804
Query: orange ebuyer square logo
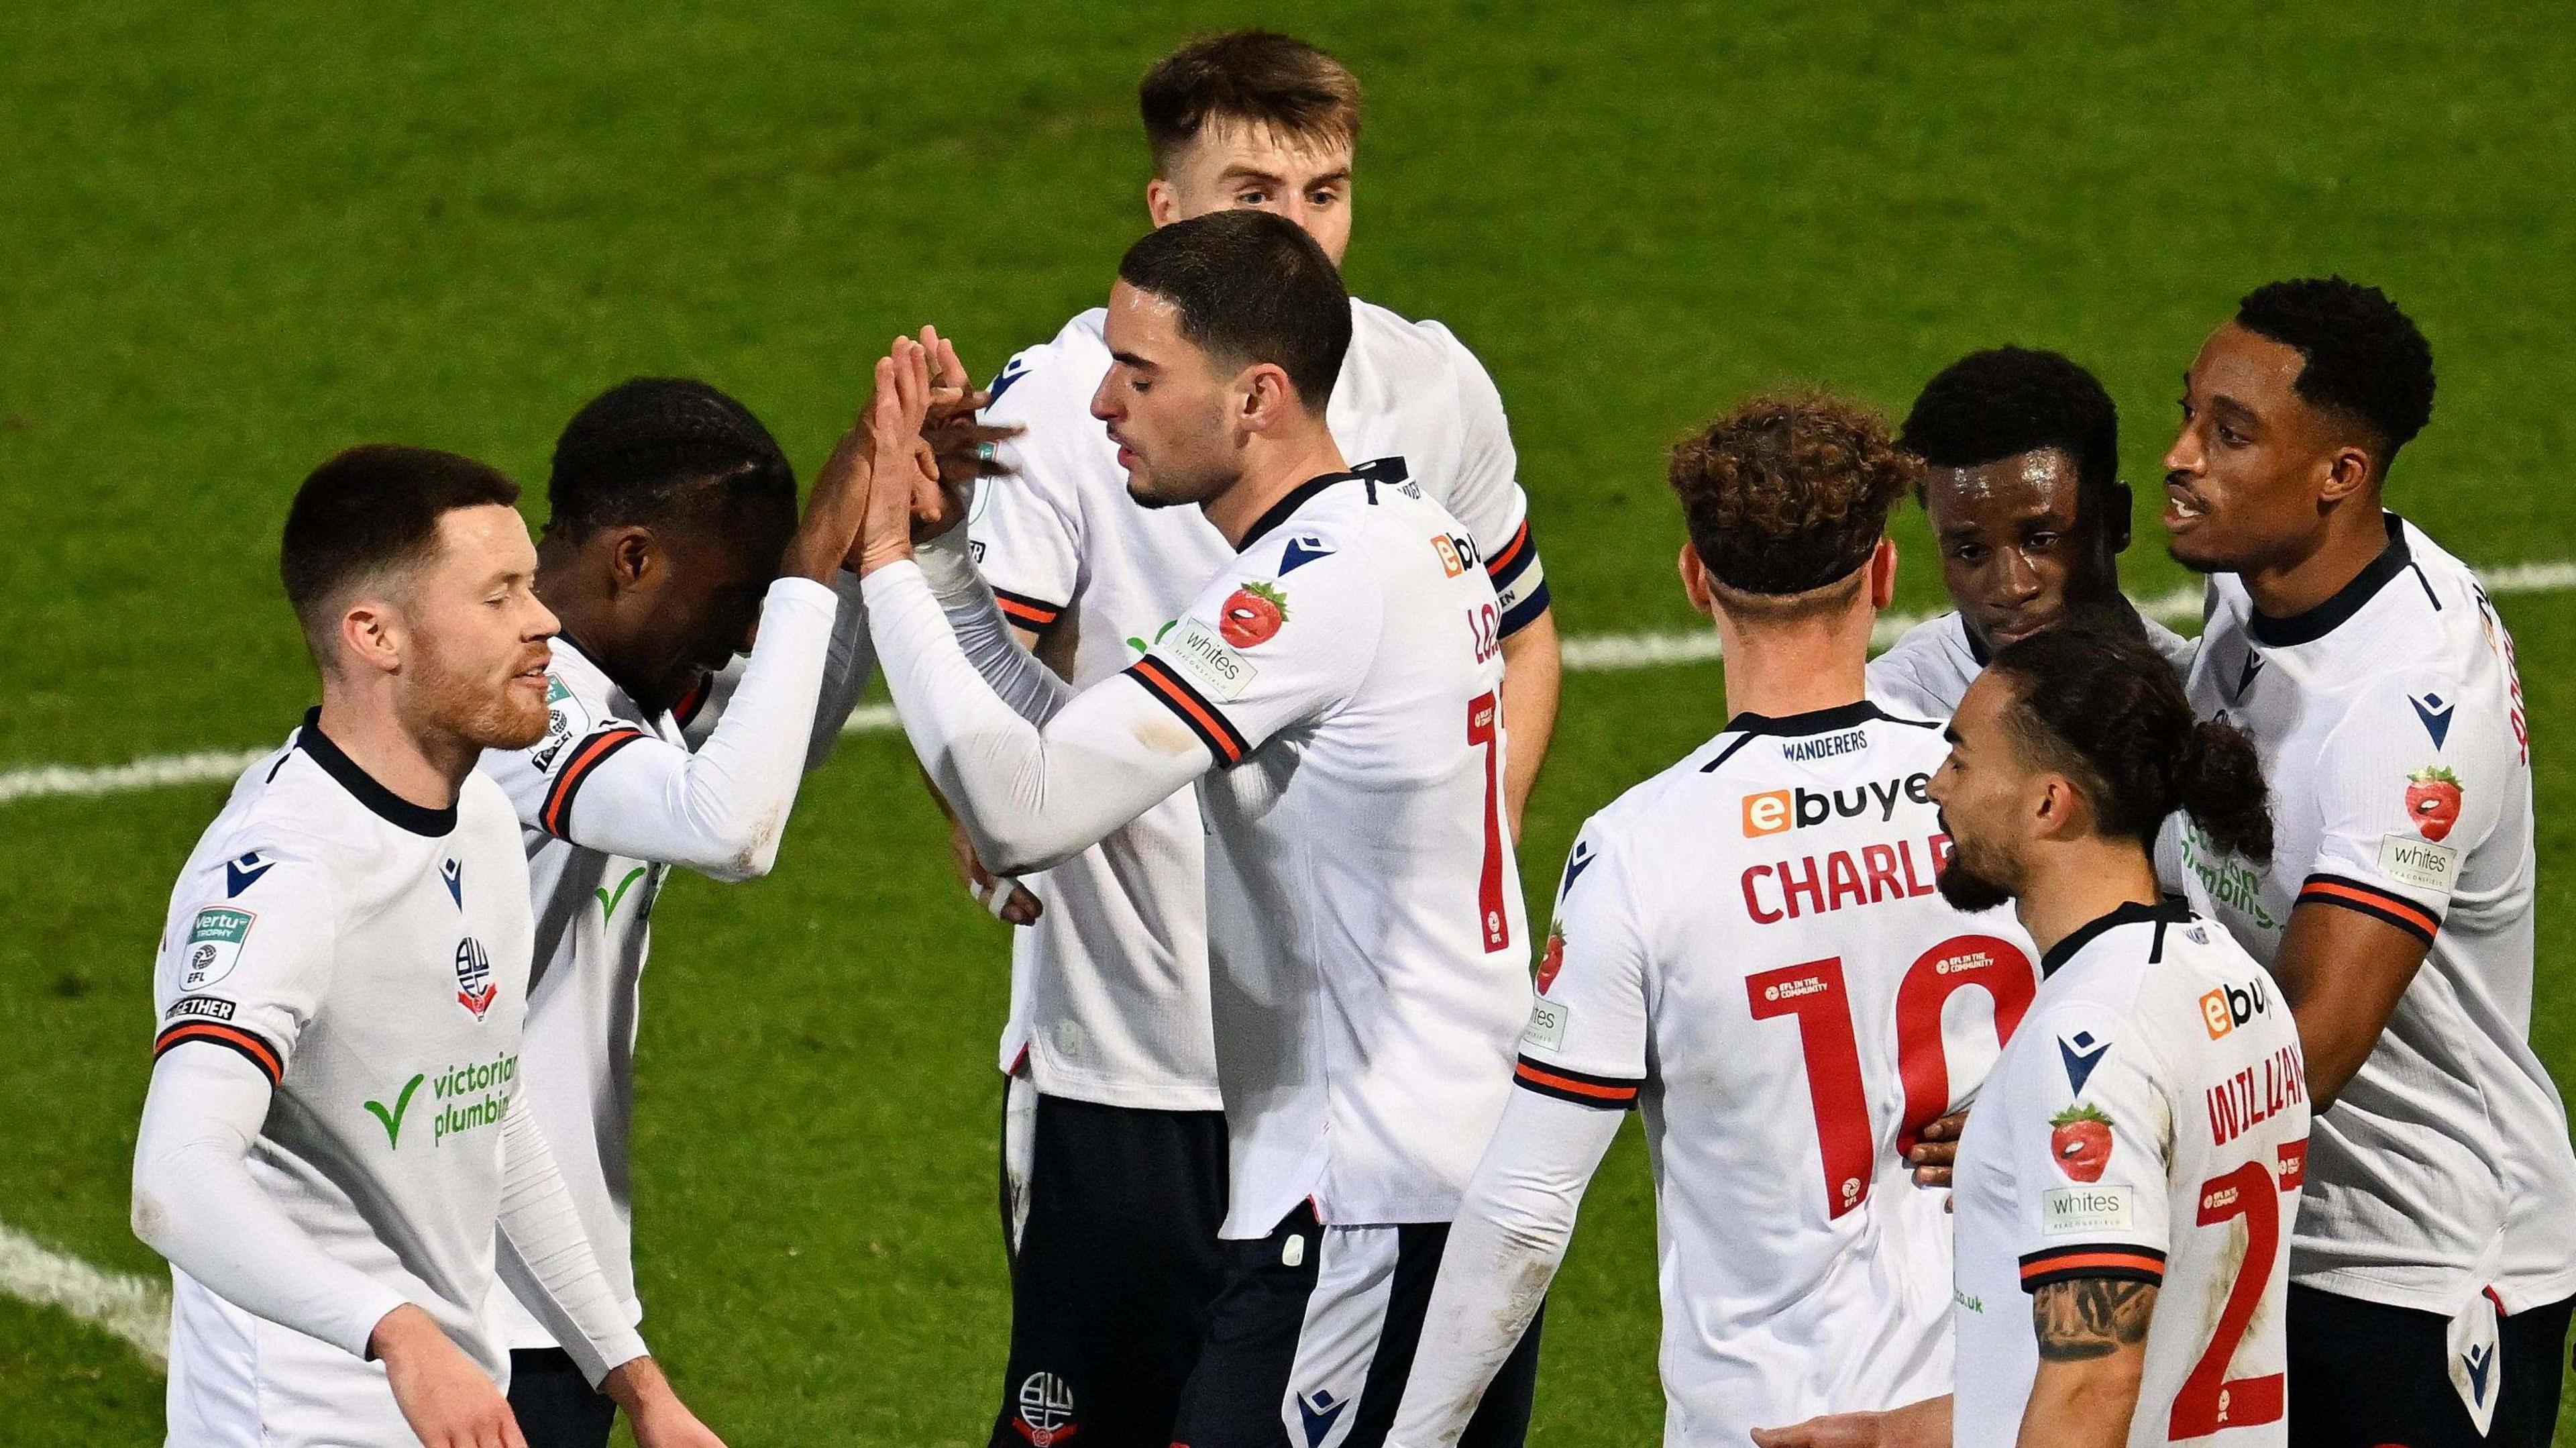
x,y
1768,813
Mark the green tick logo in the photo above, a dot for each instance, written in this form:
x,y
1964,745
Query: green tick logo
x,y
608,901
392,1120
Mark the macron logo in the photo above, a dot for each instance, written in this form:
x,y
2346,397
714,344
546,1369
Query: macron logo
x,y
2435,711
241,874
2082,1055
1321,1410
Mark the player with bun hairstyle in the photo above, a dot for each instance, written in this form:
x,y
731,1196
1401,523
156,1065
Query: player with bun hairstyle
x,y
2145,1132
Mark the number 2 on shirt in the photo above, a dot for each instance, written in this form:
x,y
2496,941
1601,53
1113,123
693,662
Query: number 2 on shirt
x,y
1813,992
2208,1401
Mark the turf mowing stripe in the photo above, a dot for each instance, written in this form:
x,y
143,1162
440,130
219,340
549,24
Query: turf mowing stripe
x,y
136,1309
1598,652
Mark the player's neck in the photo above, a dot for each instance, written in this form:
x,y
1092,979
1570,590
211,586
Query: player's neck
x,y
363,721
2076,882
1782,669
1272,470
2353,537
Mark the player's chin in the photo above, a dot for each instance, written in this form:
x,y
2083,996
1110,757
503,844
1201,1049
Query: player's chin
x,y
519,719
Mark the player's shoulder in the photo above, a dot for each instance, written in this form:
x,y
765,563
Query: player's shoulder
x,y
1049,373
1407,350
1922,673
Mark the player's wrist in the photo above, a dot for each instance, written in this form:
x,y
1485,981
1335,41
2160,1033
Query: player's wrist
x,y
404,1335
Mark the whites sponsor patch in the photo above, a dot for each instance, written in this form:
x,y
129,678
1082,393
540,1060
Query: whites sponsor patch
x,y
2410,859
214,946
1211,663
2065,1211
1547,1023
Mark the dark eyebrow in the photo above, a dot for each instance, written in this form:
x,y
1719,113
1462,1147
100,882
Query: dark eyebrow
x,y
1949,735
1132,360
2233,407
1248,173
1330,177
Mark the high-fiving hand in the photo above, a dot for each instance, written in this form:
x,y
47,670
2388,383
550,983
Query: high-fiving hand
x,y
926,448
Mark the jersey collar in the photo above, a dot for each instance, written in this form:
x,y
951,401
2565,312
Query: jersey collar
x,y
392,808
1281,511
2171,910
1814,721
2325,618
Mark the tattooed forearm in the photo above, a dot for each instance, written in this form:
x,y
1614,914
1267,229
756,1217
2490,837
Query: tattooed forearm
x,y
2090,1317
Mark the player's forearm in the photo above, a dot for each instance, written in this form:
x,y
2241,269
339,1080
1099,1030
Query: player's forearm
x,y
1504,1247
1533,670
2343,973
847,665
722,810
1029,797
196,1204
2083,1404
998,650
546,1259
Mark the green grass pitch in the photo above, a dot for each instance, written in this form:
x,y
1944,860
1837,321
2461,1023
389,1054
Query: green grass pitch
x,y
235,238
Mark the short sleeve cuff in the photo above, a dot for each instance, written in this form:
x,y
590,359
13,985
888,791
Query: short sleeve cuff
x,y
1027,611
249,1045
1223,740
1583,1088
2376,901
2120,1261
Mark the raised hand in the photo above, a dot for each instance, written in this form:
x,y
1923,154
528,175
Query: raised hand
x,y
828,538
902,477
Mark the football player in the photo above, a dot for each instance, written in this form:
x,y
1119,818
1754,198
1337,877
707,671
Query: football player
x,y
336,1154
2435,1267
673,537
1789,1009
1115,1149
1332,691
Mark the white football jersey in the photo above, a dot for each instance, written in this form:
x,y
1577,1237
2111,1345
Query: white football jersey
x,y
370,956
2390,727
1929,668
1790,1008
2148,1123
1365,934
1109,987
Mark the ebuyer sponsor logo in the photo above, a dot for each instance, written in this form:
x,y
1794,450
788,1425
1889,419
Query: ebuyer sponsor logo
x,y
1778,811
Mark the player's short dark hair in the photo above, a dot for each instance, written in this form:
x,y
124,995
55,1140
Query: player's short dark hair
x,y
1254,77
657,448
2006,401
1250,287
370,509
1787,494
2363,357
2104,708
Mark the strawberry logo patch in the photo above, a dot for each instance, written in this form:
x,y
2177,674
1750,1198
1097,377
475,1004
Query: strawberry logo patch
x,y
2433,800
1253,614
1553,960
2081,1143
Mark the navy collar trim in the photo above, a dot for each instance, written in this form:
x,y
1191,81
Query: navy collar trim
x,y
2325,618
2169,911
392,808
1814,721
1280,511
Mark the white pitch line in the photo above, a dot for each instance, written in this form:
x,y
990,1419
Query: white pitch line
x,y
1593,653
136,1309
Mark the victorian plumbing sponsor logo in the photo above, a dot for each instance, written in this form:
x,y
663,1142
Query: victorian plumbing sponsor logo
x,y
470,1096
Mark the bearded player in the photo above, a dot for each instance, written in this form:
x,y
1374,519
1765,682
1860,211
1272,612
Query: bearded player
x,y
2435,1266
2130,1177
1115,1152
1788,1010
1332,694
336,1156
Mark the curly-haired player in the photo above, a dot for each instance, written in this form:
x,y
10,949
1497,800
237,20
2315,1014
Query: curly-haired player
x,y
1751,947
2021,484
2435,1266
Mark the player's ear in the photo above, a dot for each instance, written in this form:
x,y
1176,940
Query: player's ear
x,y
2119,506
1695,581
634,558
371,637
1269,398
2347,473
1162,202
1882,575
